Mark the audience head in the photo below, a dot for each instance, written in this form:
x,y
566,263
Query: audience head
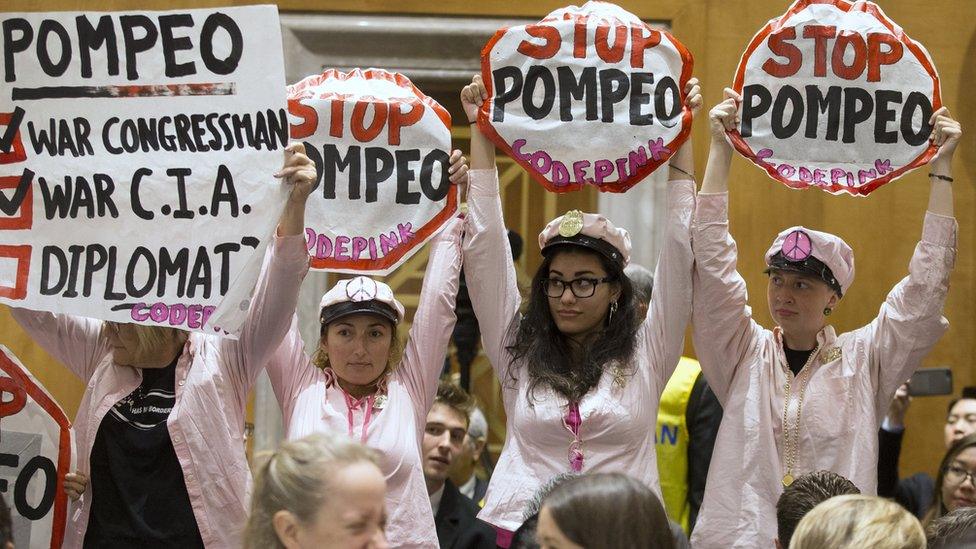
x,y
6,526
643,281
316,491
806,492
955,485
858,522
357,339
141,346
447,425
473,446
606,510
957,530
961,416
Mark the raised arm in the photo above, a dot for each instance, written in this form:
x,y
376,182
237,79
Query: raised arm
x,y
74,341
488,267
670,307
276,294
430,333
723,329
910,321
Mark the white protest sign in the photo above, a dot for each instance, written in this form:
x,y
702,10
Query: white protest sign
x,y
835,96
382,150
137,153
590,95
35,454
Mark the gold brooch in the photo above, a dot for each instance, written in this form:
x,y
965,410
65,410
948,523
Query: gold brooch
x,y
832,354
571,224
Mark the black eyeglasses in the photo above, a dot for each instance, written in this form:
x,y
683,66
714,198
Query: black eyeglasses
x,y
581,287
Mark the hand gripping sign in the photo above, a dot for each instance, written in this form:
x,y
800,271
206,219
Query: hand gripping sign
x,y
835,96
382,150
35,454
589,95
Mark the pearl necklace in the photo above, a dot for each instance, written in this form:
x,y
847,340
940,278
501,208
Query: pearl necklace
x,y
791,442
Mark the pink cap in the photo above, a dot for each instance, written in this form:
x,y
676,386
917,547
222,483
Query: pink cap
x,y
819,254
587,230
360,295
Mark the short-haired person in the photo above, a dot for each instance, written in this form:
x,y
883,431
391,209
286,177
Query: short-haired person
x,y
956,530
955,485
688,419
159,431
605,510
806,492
455,516
362,382
915,492
464,470
858,522
801,397
581,374
318,491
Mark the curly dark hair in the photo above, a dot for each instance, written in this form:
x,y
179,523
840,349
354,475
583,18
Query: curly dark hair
x,y
551,358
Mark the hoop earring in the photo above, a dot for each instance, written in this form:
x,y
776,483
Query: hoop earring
x,y
827,311
613,309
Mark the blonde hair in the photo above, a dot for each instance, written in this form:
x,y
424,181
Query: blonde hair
x,y
295,478
149,337
855,521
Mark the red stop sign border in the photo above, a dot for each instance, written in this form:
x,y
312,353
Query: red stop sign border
x,y
485,125
846,6
422,234
41,397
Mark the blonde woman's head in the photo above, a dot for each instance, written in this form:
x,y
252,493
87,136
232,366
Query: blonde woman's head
x,y
143,346
854,522
318,491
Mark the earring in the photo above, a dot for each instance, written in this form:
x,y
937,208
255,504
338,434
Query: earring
x,y
613,309
827,311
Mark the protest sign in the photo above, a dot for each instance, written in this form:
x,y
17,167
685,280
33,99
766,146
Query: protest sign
x,y
835,96
590,95
136,162
382,150
35,454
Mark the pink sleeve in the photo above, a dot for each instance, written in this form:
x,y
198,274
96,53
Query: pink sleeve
x,y
489,270
723,329
75,341
910,321
269,315
289,370
670,307
433,323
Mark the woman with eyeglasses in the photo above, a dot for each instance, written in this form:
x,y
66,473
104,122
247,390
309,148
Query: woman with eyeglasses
x,y
160,428
955,485
581,374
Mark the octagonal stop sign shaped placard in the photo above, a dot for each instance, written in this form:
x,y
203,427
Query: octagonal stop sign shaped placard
x,y
382,151
35,454
590,95
835,96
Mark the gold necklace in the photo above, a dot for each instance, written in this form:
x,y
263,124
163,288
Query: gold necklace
x,y
791,444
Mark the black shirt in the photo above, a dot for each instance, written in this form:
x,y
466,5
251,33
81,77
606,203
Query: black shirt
x,y
139,496
796,359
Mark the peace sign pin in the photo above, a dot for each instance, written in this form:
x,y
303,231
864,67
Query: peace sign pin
x,y
797,246
361,288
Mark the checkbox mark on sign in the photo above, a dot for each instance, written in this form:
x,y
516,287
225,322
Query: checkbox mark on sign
x,y
11,146
9,206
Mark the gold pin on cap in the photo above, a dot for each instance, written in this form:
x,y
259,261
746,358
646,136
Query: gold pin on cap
x,y
571,224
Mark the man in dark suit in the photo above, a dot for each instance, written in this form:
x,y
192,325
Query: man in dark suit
x,y
455,516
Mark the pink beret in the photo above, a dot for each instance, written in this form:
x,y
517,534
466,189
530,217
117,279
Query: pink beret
x,y
822,255
587,230
360,295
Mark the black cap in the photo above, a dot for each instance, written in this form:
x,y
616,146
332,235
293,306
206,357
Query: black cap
x,y
581,240
810,266
333,312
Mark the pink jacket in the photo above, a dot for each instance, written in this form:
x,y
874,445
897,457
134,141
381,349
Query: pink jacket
x,y
850,385
213,378
619,414
309,403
